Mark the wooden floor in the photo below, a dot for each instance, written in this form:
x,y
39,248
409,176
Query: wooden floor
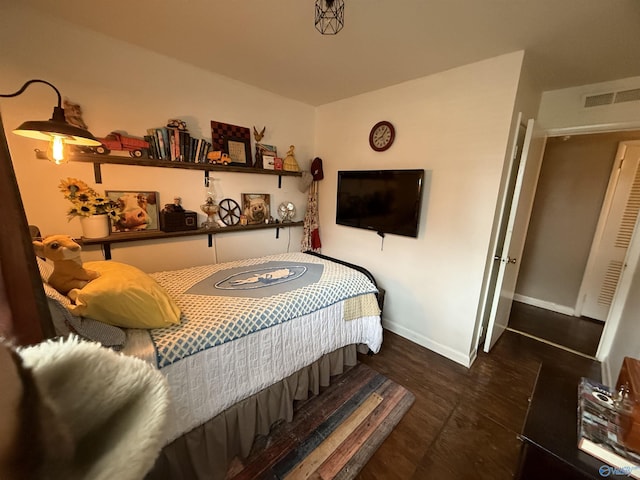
x,y
464,422
577,333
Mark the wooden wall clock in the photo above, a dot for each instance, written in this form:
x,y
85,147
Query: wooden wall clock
x,y
382,136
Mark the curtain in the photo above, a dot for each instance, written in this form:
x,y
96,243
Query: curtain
x,y
311,235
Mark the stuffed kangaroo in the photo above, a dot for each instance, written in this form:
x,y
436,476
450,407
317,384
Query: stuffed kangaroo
x,y
68,272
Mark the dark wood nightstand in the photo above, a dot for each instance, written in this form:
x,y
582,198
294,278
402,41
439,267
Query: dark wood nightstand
x,y
550,433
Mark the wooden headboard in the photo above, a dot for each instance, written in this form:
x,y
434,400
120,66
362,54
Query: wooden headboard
x,y
24,314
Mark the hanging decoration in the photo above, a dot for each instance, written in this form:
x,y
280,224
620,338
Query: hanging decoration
x,y
329,16
311,235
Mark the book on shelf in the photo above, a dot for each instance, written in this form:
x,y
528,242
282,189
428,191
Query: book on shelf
x,y
600,423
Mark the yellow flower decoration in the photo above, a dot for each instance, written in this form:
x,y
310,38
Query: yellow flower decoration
x,y
86,201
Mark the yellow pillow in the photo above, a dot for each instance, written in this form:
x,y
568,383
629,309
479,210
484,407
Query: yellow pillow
x,y
124,296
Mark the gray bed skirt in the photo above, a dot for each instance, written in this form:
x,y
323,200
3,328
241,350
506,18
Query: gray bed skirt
x,y
206,451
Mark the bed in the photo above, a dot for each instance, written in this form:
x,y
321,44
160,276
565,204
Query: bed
x,y
254,336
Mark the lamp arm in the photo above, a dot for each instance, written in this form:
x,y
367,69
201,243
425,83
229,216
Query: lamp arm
x,y
24,87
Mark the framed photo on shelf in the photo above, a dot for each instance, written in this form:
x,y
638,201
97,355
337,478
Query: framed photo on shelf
x,y
239,150
139,211
263,150
256,207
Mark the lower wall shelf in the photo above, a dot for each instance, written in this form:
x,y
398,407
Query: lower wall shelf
x,y
142,236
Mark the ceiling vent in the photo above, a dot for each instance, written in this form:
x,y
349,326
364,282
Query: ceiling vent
x,y
612,97
627,96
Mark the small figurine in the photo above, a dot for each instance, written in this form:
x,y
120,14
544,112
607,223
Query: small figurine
x,y
177,123
73,114
258,135
290,164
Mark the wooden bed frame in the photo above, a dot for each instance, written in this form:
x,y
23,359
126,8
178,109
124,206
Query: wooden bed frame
x,y
24,314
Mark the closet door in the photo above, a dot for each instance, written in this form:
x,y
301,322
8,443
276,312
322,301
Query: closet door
x,y
613,235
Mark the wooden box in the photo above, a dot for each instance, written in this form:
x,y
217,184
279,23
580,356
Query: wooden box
x,y
178,221
629,382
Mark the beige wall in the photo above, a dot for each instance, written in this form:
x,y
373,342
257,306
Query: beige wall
x,y
455,125
571,188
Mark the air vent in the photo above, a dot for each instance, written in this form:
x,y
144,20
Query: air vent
x,y
597,100
627,96
612,97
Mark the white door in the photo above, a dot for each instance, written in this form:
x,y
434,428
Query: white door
x,y
613,234
516,211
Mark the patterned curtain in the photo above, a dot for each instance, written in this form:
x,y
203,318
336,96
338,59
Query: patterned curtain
x,y
311,235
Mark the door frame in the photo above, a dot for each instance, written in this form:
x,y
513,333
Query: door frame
x,y
633,254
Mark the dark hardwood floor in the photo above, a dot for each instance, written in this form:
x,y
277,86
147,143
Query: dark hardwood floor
x,y
464,423
577,333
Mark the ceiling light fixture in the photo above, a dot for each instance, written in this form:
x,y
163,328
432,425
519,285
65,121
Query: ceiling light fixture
x,y
57,131
329,16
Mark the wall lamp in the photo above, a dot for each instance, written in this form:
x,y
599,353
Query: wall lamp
x,y
57,131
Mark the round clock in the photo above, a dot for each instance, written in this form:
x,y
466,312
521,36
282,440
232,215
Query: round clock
x,y
382,136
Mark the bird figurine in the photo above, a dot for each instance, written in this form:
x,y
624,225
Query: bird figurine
x,y
258,135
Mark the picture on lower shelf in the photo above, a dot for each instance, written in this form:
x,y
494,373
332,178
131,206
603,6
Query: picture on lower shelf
x,y
256,207
139,211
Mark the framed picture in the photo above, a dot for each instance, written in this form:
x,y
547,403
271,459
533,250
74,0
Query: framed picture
x,y
262,151
139,211
256,207
239,150
221,132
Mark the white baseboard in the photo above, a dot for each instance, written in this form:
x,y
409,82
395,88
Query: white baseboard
x,y
445,351
554,307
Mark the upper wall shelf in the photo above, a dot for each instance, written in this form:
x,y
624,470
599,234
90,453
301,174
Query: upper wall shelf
x,y
98,160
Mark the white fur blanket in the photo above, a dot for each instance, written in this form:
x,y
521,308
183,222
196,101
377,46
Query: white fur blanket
x,y
113,406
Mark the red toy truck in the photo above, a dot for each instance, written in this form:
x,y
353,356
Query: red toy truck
x,y
116,141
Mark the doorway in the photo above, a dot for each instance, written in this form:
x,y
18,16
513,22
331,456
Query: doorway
x,y
567,207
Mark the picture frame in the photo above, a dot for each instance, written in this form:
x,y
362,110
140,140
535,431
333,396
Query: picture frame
x,y
140,211
256,207
239,151
262,151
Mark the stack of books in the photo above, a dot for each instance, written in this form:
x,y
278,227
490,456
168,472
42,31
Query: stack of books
x,y
601,422
176,145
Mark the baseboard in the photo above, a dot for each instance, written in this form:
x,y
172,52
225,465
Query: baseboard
x,y
445,351
554,307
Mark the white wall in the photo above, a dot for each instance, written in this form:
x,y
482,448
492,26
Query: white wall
x,y
455,125
564,109
123,87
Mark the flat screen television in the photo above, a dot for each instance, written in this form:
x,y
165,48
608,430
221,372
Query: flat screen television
x,y
385,201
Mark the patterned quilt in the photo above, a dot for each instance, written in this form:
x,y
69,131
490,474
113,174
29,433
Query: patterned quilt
x,y
226,301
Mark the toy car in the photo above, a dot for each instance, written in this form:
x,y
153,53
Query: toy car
x,y
116,141
218,157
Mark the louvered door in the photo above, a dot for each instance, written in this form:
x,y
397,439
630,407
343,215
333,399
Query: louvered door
x,y
615,229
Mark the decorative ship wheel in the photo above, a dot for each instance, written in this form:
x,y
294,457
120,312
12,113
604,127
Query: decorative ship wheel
x,y
229,212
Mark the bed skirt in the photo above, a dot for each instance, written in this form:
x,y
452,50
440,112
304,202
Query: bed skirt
x,y
206,451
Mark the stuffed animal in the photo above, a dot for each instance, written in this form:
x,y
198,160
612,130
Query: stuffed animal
x,y
68,272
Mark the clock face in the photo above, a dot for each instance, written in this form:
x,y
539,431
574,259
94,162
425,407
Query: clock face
x,y
381,136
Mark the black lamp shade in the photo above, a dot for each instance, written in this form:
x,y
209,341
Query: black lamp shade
x,y
57,126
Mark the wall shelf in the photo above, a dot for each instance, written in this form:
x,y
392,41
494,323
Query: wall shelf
x,y
98,160
143,236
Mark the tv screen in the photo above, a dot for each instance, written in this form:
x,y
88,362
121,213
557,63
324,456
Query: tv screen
x,y
385,201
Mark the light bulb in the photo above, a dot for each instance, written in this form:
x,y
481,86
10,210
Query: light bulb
x,y
58,151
